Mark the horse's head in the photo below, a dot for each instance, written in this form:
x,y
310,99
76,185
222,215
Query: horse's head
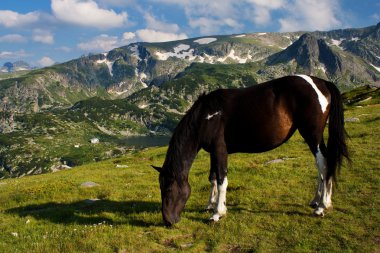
x,y
174,195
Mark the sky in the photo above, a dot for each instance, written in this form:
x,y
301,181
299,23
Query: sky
x,y
44,32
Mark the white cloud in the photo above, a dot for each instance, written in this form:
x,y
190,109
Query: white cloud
x,y
270,4
154,24
43,36
11,19
13,55
128,36
376,17
45,61
101,43
149,35
311,15
87,13
212,25
210,16
13,38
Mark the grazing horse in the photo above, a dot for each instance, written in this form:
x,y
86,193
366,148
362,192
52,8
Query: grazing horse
x,y
252,120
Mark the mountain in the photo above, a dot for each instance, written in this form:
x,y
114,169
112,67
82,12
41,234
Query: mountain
x,y
145,88
10,67
348,57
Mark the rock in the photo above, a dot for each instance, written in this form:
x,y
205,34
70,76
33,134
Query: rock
x,y
121,166
278,160
89,184
352,120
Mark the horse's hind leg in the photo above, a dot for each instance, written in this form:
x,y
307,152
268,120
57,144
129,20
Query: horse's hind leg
x,y
322,199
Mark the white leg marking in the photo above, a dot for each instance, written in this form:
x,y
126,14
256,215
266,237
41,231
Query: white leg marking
x,y
329,194
213,195
325,196
221,208
322,99
318,193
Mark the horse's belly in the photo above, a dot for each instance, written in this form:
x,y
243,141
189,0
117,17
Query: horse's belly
x,y
258,138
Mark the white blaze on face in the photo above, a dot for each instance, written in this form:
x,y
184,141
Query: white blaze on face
x,y
322,99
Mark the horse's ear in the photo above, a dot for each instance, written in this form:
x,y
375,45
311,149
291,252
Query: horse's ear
x,y
159,169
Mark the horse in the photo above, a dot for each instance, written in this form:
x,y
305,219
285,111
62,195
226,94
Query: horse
x,y
254,119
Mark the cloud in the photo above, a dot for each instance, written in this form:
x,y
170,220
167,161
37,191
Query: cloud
x,y
14,55
11,19
43,36
155,24
128,36
45,61
87,13
211,17
149,35
13,38
311,15
101,43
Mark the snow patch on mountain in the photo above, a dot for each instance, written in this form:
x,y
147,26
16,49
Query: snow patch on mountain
x,y
135,52
182,51
337,43
234,57
108,63
204,41
377,68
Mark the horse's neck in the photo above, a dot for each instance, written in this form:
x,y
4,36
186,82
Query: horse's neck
x,y
181,154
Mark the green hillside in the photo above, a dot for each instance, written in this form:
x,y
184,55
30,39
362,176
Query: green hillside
x,y
267,202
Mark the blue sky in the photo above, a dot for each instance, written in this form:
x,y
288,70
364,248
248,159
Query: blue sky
x,y
42,32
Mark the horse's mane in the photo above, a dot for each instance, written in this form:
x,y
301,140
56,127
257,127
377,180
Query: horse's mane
x,y
184,143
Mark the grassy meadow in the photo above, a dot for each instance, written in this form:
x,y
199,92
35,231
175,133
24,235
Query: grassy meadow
x,y
267,203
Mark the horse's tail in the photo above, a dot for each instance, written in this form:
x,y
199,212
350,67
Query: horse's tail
x,y
336,144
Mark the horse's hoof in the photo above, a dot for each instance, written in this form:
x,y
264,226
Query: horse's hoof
x,y
215,218
313,204
319,212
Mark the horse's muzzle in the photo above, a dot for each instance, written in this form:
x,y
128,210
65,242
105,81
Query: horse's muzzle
x,y
171,221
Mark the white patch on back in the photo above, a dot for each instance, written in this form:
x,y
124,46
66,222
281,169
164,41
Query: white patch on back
x,y
322,99
209,116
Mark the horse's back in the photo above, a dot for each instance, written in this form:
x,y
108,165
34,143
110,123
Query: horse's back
x,y
262,117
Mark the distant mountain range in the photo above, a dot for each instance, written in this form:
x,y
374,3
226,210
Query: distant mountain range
x,y
145,88
10,67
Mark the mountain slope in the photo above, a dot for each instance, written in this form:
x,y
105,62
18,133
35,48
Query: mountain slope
x,y
145,88
123,71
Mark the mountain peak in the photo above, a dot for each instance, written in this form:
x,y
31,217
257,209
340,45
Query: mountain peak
x,y
310,54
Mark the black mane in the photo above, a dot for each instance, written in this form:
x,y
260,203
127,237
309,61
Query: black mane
x,y
185,140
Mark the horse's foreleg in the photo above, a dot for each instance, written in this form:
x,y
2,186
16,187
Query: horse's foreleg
x,y
221,208
220,157
213,195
